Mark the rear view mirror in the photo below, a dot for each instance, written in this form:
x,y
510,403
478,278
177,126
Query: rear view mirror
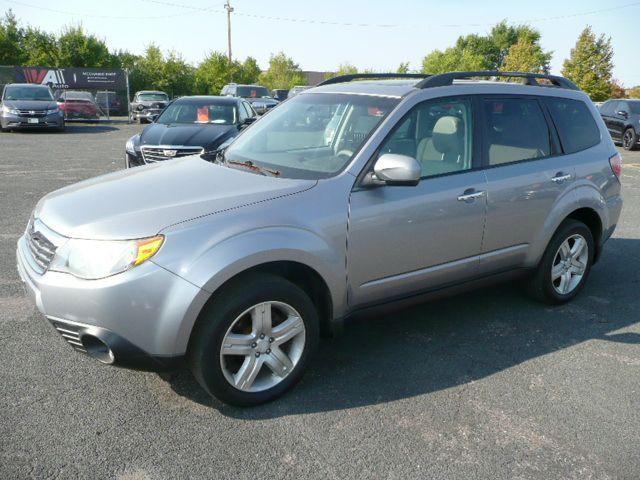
x,y
394,169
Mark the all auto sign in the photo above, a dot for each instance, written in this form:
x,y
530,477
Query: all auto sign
x,y
72,78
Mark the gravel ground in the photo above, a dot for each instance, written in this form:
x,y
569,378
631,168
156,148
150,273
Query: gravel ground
x,y
484,385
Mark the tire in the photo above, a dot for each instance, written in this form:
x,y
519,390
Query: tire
x,y
554,290
232,312
630,139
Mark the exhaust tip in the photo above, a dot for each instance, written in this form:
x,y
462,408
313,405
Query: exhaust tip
x,y
97,349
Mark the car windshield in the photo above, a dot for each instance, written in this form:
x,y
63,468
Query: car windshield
x,y
77,96
311,136
152,97
253,92
635,107
199,112
27,93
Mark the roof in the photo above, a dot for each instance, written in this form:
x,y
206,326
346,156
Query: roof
x,y
208,98
151,91
386,88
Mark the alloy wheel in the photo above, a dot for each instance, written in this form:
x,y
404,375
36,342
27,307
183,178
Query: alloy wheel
x,y
627,139
570,264
262,346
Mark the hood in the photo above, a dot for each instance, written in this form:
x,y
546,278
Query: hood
x,y
266,101
140,202
198,135
31,104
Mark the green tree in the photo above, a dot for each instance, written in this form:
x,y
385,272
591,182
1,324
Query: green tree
x,y
11,37
634,92
527,56
283,72
77,49
488,52
403,67
213,73
40,48
590,65
177,78
249,72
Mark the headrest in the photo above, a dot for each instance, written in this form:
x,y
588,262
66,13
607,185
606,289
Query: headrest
x,y
447,134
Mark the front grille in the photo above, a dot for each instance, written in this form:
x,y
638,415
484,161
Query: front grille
x,y
70,333
158,154
32,113
42,250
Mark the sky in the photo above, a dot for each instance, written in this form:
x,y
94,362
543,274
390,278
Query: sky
x,y
322,34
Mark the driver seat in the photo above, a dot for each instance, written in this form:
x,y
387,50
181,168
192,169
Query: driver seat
x,y
443,151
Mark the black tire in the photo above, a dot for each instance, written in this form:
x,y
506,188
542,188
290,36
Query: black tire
x,y
225,307
630,139
540,285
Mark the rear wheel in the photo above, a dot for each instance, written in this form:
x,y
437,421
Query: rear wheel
x,y
629,139
254,341
565,265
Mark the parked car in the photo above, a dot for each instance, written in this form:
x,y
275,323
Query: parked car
x,y
280,94
235,266
147,105
78,105
622,118
189,126
26,105
296,90
109,103
257,95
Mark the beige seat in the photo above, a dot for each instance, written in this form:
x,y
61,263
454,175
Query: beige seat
x,y
443,152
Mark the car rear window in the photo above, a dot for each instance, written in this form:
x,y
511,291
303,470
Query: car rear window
x,y
576,127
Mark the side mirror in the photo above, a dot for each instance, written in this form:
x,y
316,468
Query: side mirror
x,y
246,122
394,169
622,113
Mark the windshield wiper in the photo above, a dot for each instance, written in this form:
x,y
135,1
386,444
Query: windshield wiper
x,y
253,167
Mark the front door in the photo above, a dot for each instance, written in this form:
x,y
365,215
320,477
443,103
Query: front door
x,y
404,240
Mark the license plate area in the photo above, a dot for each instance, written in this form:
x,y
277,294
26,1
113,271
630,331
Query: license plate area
x,y
32,120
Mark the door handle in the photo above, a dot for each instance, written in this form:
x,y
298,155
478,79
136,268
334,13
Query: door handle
x,y
561,178
470,195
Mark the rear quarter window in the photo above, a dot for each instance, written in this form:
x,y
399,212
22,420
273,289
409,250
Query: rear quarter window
x,y
576,127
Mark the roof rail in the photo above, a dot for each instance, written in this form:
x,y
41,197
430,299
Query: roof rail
x,y
445,79
358,76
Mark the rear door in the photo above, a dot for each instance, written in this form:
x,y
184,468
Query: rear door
x,y
526,176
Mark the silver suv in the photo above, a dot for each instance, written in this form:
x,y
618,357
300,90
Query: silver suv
x,y
350,196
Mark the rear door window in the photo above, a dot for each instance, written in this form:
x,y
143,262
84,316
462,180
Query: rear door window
x,y
516,130
576,127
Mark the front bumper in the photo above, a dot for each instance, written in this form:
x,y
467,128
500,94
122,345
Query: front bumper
x,y
133,160
9,120
140,315
146,114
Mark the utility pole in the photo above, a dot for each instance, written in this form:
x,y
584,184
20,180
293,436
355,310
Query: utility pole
x,y
229,10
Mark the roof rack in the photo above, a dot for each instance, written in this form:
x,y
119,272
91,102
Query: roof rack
x,y
445,79
361,76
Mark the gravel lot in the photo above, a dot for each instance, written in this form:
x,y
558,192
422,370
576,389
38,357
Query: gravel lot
x,y
485,385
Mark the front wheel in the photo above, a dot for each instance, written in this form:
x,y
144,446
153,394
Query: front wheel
x,y
254,341
630,139
565,265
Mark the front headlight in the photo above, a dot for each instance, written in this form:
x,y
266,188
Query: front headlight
x,y
53,110
12,111
130,146
94,259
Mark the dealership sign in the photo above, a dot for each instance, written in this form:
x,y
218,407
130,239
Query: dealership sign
x,y
66,78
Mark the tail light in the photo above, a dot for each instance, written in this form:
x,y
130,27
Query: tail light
x,y
616,164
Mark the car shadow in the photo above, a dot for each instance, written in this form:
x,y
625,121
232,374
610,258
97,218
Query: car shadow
x,y
451,342
69,128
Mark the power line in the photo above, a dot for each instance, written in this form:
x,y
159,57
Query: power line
x,y
389,25
90,15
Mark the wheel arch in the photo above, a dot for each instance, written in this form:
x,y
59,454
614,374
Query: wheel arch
x,y
296,272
